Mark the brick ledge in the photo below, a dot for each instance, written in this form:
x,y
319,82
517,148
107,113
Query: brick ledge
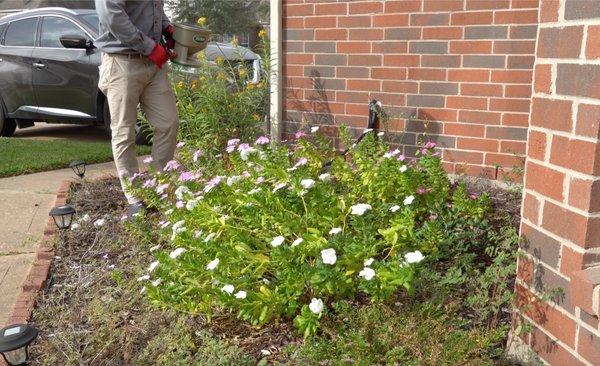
x,y
40,268
585,290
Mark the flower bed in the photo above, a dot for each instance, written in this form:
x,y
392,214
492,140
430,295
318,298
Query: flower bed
x,y
286,232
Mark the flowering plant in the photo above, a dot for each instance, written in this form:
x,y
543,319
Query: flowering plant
x,y
268,232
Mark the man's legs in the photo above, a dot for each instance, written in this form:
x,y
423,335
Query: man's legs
x,y
159,105
123,82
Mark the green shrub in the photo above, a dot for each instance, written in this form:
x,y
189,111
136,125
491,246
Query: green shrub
x,y
266,233
221,102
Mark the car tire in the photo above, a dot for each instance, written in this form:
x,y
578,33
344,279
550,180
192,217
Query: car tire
x,y
7,125
142,137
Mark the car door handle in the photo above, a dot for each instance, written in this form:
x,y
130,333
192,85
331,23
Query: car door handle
x,y
39,65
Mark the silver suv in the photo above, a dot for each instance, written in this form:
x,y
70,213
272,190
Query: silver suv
x,y
49,69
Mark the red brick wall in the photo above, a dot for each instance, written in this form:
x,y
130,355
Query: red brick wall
x,y
464,66
561,204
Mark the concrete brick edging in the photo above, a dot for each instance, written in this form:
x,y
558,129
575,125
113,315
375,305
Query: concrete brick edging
x,y
40,268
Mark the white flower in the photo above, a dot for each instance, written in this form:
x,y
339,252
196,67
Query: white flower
x,y
277,241
328,256
297,242
335,230
314,129
307,183
75,226
367,273
178,224
209,237
228,289
244,154
153,266
233,179
316,306
85,218
212,264
408,200
99,222
394,208
143,290
368,262
414,257
155,248
325,177
143,278
253,191
387,155
240,295
380,133
191,204
168,212
360,208
403,168
279,186
367,130
157,282
164,225
265,352
180,191
177,252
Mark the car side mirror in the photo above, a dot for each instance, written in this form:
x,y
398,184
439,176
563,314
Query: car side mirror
x,y
76,41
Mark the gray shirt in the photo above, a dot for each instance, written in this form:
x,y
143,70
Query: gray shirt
x,y
130,26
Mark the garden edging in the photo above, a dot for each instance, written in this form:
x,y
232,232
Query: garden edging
x,y
40,268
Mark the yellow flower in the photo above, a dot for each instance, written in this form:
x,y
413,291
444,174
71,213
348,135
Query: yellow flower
x,y
243,73
180,85
200,55
201,21
194,84
221,75
262,33
219,60
250,86
256,116
260,85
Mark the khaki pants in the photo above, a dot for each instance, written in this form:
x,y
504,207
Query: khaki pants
x,y
129,81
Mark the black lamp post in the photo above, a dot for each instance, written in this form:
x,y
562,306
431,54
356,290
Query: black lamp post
x,y
14,342
63,216
78,167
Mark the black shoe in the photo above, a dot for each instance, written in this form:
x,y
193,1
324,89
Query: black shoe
x,y
136,209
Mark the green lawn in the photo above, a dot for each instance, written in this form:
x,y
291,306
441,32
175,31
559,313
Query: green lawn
x,y
20,156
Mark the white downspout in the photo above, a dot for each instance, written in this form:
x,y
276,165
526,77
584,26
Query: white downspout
x,y
276,76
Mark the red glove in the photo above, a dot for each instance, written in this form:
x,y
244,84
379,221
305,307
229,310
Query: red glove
x,y
168,33
159,56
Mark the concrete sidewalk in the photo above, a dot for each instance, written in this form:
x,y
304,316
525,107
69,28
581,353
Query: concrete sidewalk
x,y
25,202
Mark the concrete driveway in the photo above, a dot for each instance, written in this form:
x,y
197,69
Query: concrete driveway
x,y
46,131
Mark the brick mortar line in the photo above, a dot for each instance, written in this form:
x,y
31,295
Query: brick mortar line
x,y
564,205
561,240
559,168
558,341
40,267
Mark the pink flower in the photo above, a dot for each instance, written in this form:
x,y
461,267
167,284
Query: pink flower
x,y
186,176
299,135
246,174
172,165
430,145
243,147
402,157
161,188
424,151
473,195
149,183
230,148
164,196
180,144
259,180
263,140
148,160
301,162
212,183
197,154
233,142
179,204
421,190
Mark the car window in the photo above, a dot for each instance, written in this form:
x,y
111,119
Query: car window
x,y
92,20
2,27
54,27
21,33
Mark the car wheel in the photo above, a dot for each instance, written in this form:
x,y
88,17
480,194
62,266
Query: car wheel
x,y
7,125
142,135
